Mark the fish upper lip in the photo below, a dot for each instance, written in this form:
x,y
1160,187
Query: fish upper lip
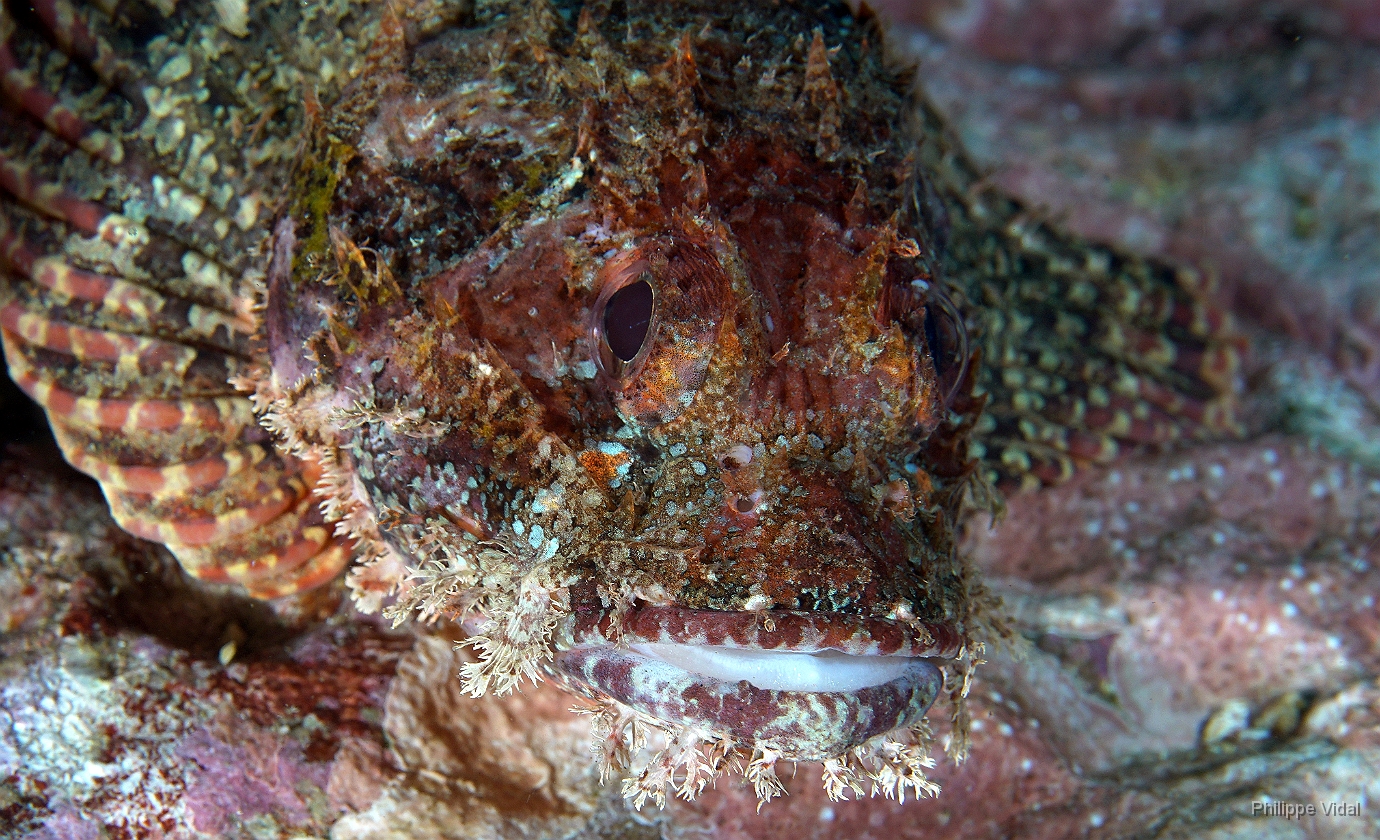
x,y
591,624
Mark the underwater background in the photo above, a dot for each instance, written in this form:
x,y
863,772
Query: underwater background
x,y
1197,641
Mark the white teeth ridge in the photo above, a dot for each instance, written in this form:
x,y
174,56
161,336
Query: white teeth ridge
x,y
827,670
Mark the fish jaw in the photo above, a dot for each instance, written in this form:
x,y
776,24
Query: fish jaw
x,y
809,686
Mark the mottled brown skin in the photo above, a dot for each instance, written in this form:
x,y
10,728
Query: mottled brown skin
x,y
792,437
779,442
712,184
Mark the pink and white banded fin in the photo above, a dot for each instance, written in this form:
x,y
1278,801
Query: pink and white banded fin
x,y
130,261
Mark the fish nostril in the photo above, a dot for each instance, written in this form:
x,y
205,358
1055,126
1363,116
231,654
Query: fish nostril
x,y
747,505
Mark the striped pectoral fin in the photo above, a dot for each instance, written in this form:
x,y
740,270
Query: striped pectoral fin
x,y
158,255
131,246
91,219
159,481
20,86
239,513
149,141
192,472
242,515
1042,438
1186,374
109,363
218,415
292,553
84,344
258,527
72,31
233,507
92,299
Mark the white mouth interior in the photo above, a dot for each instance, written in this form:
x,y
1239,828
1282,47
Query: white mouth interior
x,y
826,670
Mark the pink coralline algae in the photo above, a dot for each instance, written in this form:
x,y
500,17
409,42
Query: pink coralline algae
x,y
246,776
1235,136
1131,32
109,732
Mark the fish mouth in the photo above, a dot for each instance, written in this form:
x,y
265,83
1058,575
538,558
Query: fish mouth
x,y
808,685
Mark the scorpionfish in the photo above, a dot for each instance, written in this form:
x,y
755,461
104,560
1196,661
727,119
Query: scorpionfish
x,y
661,345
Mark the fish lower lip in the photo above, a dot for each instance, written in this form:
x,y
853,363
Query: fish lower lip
x,y
819,671
824,703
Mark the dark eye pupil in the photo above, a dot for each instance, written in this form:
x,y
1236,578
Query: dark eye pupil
x,y
943,358
627,318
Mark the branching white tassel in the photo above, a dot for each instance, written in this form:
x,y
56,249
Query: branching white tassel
x,y
515,641
761,774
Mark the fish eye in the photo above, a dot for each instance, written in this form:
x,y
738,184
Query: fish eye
x,y
918,303
628,320
623,322
654,326
947,339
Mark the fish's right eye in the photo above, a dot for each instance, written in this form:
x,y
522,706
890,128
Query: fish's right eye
x,y
627,320
655,325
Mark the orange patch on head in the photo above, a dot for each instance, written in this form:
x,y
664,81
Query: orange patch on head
x,y
605,464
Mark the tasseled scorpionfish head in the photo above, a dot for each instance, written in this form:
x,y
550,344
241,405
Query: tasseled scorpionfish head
x,y
618,338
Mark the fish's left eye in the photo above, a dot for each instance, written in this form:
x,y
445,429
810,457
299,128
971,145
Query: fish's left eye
x,y
947,339
921,307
